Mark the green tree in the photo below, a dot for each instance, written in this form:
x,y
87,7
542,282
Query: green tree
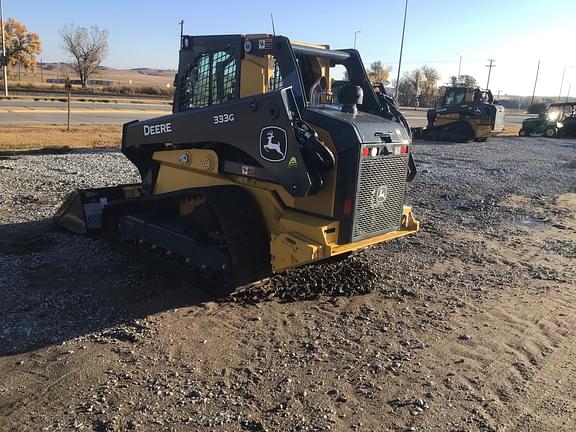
x,y
22,46
88,47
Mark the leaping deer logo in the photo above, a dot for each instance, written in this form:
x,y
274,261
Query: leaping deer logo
x,y
273,143
273,146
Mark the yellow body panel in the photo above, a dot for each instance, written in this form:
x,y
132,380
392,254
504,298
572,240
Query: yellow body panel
x,y
295,238
323,202
255,73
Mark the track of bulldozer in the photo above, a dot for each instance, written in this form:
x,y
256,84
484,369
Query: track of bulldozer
x,y
223,242
459,132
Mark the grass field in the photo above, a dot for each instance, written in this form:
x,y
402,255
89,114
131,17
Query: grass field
x,y
124,77
23,138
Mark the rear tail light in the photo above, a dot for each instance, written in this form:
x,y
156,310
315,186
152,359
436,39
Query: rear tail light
x,y
348,206
403,149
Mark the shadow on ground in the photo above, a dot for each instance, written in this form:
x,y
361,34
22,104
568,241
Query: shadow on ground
x,y
56,286
59,286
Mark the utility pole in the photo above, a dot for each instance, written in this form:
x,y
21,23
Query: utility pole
x,y
68,86
490,66
535,82
568,95
355,34
401,49
562,82
181,31
4,59
459,68
41,70
272,19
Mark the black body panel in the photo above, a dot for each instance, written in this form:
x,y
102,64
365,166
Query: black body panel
x,y
197,129
349,132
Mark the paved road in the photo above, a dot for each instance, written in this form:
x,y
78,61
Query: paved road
x,y
50,112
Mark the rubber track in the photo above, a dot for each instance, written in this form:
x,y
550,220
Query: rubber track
x,y
240,221
437,134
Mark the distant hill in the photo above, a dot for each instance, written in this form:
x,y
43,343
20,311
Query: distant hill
x,y
122,77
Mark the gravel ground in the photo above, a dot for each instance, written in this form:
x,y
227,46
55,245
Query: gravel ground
x,y
90,340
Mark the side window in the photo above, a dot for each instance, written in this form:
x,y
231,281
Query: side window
x,y
455,96
224,78
210,81
276,79
195,91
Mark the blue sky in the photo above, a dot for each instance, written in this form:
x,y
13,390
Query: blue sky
x,y
516,33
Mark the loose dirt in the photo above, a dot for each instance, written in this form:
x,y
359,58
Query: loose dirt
x,y
467,326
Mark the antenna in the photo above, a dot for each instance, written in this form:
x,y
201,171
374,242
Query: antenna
x,y
272,19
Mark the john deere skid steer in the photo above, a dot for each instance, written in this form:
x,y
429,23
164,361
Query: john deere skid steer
x,y
466,114
257,170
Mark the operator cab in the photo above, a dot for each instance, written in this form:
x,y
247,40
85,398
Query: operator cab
x,y
462,95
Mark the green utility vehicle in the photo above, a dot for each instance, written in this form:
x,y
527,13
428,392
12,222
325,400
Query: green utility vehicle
x,y
559,119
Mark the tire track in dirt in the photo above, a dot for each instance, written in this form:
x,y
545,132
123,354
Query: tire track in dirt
x,y
509,360
521,352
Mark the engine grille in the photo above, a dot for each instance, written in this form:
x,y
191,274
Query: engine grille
x,y
380,196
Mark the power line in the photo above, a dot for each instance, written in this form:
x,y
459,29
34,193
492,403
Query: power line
x,y
431,61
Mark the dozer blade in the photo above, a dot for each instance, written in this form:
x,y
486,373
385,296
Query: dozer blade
x,y
81,211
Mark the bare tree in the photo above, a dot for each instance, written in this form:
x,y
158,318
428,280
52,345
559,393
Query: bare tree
x,y
378,73
419,87
469,81
409,88
88,47
430,84
465,80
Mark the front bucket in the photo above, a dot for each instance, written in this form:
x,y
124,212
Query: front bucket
x,y
81,211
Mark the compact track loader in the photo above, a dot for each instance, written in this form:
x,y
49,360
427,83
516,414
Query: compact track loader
x,y
257,170
466,114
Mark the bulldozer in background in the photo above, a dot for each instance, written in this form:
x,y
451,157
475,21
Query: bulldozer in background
x,y
257,170
466,114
